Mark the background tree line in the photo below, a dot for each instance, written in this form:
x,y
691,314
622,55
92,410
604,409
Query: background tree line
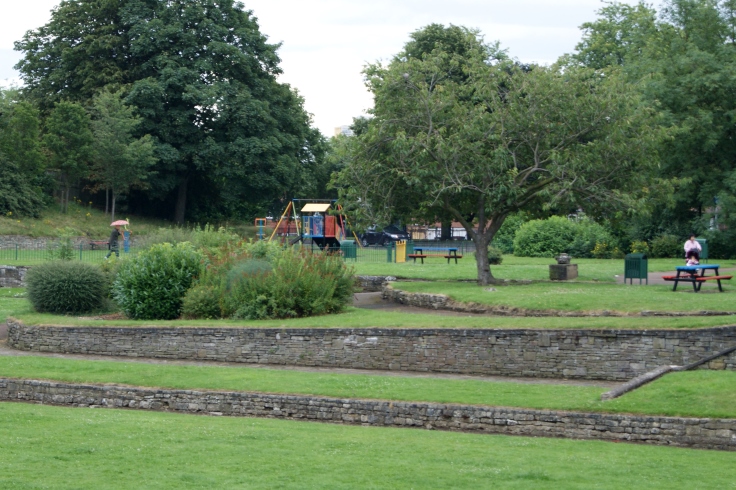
x,y
175,105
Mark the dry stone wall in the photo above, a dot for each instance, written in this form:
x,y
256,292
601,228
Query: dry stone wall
x,y
13,276
584,354
676,431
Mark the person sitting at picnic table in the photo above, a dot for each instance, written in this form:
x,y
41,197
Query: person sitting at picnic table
x,y
114,245
692,249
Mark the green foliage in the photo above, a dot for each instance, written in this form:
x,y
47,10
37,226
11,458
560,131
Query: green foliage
x,y
68,140
17,195
294,284
63,248
66,287
110,268
202,302
230,138
639,247
504,239
495,255
721,244
546,238
463,131
205,237
151,285
666,246
121,161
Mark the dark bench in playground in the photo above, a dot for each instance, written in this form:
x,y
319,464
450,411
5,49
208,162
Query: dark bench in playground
x,y
695,274
94,244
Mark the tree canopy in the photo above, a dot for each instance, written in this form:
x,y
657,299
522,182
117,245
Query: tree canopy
x,y
229,138
496,139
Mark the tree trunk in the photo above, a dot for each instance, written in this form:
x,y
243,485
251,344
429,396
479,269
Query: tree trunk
x,y
65,205
107,200
181,202
446,230
485,277
114,197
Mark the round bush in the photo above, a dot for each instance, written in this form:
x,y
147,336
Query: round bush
x,y
152,284
544,238
667,246
65,287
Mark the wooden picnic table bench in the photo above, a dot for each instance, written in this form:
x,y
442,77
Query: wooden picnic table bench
x,y
451,253
695,274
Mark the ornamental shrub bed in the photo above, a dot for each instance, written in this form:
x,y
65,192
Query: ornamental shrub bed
x,y
66,287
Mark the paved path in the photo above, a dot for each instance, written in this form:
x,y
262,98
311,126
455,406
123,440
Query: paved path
x,y
7,351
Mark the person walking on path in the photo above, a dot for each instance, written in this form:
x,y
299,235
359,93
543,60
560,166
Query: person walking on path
x,y
114,245
692,248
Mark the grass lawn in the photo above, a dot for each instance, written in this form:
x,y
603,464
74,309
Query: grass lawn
x,y
19,307
517,268
696,394
54,447
585,297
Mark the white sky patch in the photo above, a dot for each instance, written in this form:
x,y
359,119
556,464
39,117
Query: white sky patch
x,y
326,43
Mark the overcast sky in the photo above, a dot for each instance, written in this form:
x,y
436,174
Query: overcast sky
x,y
326,43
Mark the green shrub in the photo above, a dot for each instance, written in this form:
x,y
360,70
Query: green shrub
x,y
63,248
504,238
202,301
299,283
205,237
639,247
544,238
667,246
152,284
66,287
721,244
602,251
495,255
587,234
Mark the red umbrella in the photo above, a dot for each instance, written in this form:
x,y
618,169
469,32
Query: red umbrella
x,y
120,222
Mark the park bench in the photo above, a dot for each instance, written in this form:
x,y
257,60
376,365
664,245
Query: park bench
x,y
94,244
451,253
417,256
695,274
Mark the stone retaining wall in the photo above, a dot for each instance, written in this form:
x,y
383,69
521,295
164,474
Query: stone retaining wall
x,y
585,354
12,276
688,432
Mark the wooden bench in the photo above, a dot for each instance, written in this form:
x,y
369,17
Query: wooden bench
x,y
453,256
93,244
417,256
690,274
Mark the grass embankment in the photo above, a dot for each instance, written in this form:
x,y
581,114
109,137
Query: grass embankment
x,y
20,308
582,297
696,394
516,268
84,220
64,448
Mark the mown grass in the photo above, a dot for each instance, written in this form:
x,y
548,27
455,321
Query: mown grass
x,y
65,448
583,297
516,268
21,309
696,394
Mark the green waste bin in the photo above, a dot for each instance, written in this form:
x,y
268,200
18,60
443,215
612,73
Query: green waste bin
x,y
704,245
636,266
349,250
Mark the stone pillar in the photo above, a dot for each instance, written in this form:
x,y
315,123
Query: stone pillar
x,y
563,272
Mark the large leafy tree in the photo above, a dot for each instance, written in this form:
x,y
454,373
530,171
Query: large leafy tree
x,y
683,60
498,139
68,141
229,137
121,161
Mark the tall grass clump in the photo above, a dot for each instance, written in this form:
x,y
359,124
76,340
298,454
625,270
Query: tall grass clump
x,y
66,287
152,284
206,237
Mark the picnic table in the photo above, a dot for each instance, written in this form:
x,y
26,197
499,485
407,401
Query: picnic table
x,y
695,274
451,253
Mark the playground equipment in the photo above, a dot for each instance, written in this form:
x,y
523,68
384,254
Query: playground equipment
x,y
320,220
261,224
